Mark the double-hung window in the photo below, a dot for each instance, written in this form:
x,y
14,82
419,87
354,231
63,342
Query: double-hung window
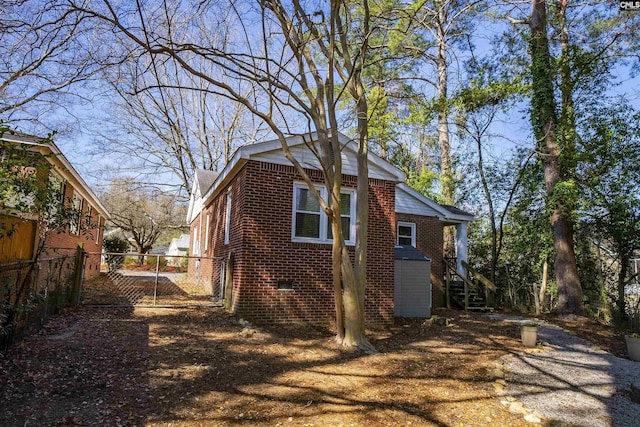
x,y
311,224
75,223
407,234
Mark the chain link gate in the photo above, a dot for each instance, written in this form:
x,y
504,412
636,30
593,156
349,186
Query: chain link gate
x,y
153,280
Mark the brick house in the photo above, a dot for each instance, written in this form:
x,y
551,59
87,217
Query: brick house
x,y
260,240
88,233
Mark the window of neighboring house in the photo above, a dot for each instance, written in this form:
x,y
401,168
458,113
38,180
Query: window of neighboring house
x,y
98,229
196,241
227,219
56,184
310,223
206,234
74,225
88,217
407,234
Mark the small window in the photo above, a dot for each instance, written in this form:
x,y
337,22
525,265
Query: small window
x,y
406,234
285,285
227,220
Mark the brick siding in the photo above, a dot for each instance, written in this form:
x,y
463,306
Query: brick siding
x,y
260,238
90,238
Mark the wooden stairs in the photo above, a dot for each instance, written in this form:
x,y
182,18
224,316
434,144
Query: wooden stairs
x,y
471,293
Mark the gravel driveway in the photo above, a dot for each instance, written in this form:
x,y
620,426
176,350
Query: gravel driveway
x,y
570,381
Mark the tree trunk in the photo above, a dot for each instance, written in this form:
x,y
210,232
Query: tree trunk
x,y
620,300
446,170
543,118
543,287
492,214
354,298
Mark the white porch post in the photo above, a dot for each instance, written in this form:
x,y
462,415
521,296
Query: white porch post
x,y
461,247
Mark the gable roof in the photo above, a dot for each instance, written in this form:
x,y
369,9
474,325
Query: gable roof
x,y
272,152
455,211
411,201
204,179
202,182
181,242
408,200
61,166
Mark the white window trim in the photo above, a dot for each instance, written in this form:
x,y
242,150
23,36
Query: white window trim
x,y
77,203
412,225
196,241
227,219
324,223
206,234
98,229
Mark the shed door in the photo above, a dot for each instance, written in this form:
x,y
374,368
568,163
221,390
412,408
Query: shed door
x,y
412,296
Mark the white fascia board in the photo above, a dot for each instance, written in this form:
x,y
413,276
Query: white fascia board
x,y
458,219
63,167
445,214
247,152
347,143
239,158
195,201
442,212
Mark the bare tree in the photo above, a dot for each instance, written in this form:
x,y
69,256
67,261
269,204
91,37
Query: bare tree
x,y
173,121
143,213
45,49
302,66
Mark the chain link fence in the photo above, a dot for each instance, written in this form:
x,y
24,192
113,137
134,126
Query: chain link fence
x,y
30,291
153,280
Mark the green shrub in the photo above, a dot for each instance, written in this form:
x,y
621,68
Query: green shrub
x,y
117,245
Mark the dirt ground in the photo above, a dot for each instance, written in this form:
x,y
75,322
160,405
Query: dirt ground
x,y
200,367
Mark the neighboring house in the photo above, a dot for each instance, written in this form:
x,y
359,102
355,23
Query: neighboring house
x,y
158,250
22,243
178,248
202,182
262,243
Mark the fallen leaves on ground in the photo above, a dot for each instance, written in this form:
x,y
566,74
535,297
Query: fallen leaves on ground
x,y
200,366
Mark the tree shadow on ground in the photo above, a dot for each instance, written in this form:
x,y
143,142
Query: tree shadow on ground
x,y
569,380
214,372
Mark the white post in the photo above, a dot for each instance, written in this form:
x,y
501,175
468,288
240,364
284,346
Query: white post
x,y
461,247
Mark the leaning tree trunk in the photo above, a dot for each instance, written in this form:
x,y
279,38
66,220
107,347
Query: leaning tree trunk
x,y
543,118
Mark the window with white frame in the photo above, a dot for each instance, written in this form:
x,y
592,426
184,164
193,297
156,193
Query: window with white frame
x,y
98,229
310,223
75,222
206,234
195,250
227,219
406,234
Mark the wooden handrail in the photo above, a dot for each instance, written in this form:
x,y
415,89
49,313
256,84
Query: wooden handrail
x,y
479,276
465,281
468,284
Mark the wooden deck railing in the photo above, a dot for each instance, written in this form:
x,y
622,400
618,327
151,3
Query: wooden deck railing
x,y
473,281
